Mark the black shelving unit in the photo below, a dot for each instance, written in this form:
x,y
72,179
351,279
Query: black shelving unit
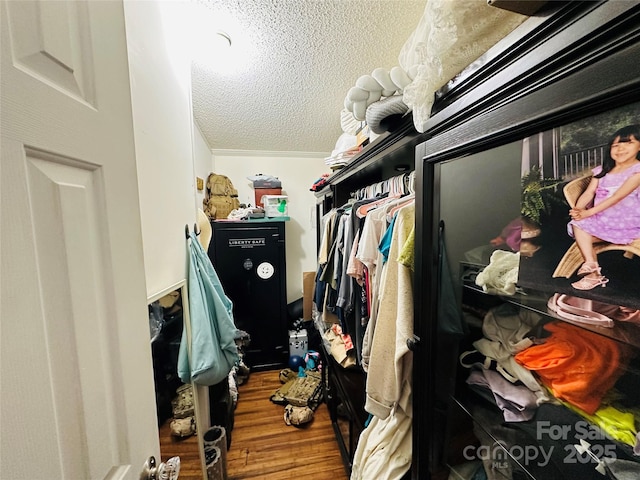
x,y
572,64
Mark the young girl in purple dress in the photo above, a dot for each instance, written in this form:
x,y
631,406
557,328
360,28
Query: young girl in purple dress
x,y
609,209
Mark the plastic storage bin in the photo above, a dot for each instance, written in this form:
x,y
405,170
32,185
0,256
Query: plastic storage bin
x,y
276,205
298,342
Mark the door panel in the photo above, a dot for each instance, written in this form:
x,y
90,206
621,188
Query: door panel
x,y
50,42
76,374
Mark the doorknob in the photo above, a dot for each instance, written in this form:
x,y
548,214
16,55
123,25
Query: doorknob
x,y
149,470
169,470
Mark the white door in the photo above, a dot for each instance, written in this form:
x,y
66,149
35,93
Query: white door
x,y
76,377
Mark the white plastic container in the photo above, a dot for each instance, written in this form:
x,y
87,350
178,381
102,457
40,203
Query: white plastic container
x,y
298,343
276,205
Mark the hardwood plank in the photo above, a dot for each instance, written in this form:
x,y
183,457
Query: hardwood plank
x,y
262,445
185,448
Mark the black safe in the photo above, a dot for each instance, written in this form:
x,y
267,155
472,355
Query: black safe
x,y
249,257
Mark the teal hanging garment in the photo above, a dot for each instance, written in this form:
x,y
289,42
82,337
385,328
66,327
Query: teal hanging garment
x,y
213,351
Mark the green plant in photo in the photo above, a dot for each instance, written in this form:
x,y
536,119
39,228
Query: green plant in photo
x,y
539,195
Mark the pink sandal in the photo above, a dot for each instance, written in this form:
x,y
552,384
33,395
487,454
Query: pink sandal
x,y
589,267
588,283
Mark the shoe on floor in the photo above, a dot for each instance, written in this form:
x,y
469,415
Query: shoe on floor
x,y
297,415
183,427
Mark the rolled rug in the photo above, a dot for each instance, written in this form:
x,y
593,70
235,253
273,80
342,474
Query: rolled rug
x,y
383,114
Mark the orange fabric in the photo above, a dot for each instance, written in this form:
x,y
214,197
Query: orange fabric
x,y
578,366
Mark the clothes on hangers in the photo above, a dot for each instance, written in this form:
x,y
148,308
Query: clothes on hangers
x,y
370,255
403,184
384,447
366,208
350,259
372,300
391,361
393,209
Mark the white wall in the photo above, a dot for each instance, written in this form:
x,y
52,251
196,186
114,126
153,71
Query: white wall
x,y
171,152
160,75
297,173
160,72
202,161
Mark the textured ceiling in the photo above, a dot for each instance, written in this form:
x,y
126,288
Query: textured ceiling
x,y
295,62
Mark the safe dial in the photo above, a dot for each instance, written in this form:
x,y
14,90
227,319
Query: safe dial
x,y
265,270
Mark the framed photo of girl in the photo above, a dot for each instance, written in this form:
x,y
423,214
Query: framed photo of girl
x,y
581,209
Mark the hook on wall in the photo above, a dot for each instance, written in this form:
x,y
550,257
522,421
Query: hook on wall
x,y
195,230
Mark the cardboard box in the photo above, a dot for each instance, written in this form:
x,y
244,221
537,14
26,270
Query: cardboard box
x,y
308,287
275,183
276,205
261,192
362,136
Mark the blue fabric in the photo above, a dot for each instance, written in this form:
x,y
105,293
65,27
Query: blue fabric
x,y
385,241
213,351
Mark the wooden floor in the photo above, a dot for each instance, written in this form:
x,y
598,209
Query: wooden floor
x,y
263,446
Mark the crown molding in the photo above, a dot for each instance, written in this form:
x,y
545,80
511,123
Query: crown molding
x,y
267,153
